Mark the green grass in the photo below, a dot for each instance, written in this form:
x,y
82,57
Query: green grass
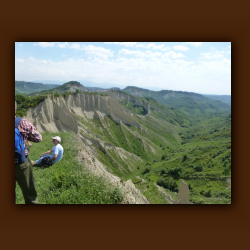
x,y
67,182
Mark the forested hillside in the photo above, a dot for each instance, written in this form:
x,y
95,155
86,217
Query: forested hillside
x,y
193,104
223,98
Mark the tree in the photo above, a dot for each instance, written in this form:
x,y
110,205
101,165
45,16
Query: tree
x,y
163,172
146,170
184,158
163,157
175,172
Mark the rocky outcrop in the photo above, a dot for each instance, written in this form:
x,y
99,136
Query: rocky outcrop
x,y
56,114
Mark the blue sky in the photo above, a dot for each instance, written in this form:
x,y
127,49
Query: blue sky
x,y
201,67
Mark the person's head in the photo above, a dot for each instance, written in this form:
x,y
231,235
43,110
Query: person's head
x,y
15,106
56,140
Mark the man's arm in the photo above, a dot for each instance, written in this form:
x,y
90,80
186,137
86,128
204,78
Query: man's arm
x,y
45,153
54,157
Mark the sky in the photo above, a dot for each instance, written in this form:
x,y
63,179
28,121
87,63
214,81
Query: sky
x,y
200,67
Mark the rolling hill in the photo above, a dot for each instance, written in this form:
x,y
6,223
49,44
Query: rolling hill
x,y
22,87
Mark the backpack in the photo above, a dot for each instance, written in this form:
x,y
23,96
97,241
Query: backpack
x,y
46,162
19,146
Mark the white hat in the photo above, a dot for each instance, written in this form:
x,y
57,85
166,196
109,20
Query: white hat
x,y
57,138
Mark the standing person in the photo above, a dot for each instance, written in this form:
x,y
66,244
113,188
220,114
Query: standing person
x,y
57,152
24,131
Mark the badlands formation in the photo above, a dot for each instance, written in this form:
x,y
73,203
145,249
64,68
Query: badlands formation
x,y
62,114
58,114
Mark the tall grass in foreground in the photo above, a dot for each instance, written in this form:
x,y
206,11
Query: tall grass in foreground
x,y
67,182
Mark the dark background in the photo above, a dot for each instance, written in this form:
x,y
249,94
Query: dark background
x,y
118,226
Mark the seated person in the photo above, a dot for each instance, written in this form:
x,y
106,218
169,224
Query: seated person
x,y
57,152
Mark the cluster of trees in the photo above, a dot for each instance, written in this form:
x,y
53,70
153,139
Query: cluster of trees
x,y
174,172
168,183
25,102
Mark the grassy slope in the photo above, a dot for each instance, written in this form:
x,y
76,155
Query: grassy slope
x,y
66,182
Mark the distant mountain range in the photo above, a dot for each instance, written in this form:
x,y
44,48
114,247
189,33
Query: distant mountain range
x,y
84,83
180,100
174,99
223,98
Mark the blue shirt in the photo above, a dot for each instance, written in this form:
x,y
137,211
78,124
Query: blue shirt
x,y
58,149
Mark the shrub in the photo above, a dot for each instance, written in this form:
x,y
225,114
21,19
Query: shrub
x,y
146,170
208,193
226,194
198,168
163,157
163,172
175,172
189,171
161,182
184,158
227,171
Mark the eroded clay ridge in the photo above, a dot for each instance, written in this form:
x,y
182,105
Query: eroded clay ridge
x,y
57,114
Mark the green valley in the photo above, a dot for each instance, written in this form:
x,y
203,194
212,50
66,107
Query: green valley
x,y
153,138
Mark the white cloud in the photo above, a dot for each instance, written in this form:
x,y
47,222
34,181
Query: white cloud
x,y
229,46
128,43
122,43
210,55
215,54
35,44
172,54
46,44
63,45
75,46
21,44
181,47
140,45
97,51
145,45
196,44
19,60
151,46
139,53
158,46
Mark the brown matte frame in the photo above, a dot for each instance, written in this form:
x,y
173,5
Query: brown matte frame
x,y
153,225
